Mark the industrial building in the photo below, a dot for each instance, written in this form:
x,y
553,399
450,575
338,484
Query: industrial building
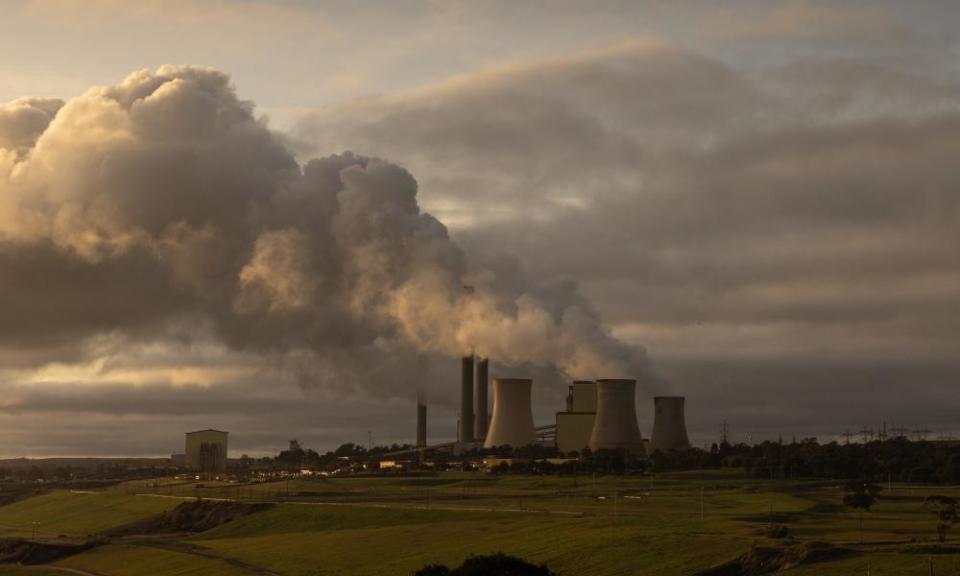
x,y
669,424
206,451
575,425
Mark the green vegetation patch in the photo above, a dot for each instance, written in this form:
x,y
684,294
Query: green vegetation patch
x,y
28,571
293,518
568,545
124,560
77,514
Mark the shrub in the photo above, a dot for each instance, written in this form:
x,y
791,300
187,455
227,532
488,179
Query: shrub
x,y
498,564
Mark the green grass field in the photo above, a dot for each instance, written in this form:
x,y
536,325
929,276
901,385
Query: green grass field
x,y
145,561
673,525
76,514
28,571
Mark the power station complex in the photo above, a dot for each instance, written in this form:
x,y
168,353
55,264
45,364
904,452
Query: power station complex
x,y
599,415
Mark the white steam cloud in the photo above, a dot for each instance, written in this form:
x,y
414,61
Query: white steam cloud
x,y
164,199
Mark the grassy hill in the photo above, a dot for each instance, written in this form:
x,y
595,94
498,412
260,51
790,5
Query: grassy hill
x,y
675,525
76,514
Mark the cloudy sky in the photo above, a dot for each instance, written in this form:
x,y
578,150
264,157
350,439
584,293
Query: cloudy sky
x,y
753,204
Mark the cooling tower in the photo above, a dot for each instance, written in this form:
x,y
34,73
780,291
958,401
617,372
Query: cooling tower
x,y
483,376
465,433
669,425
616,422
512,421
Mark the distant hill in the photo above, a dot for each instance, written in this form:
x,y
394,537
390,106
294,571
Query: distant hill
x,y
85,463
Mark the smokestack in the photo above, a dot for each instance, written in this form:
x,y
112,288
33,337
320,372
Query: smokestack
x,y
669,424
616,423
512,422
483,375
421,422
465,434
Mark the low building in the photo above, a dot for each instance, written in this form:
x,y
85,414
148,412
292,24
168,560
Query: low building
x,y
206,451
573,430
576,424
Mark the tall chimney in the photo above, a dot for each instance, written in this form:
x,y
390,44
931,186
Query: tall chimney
x,y
465,433
483,377
421,422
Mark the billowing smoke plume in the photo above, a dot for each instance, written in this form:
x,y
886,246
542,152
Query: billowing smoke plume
x,y
164,200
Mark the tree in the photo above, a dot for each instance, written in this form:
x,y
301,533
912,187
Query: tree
x,y
861,496
945,509
292,457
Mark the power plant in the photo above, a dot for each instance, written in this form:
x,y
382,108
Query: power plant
x,y
512,422
599,415
669,425
616,423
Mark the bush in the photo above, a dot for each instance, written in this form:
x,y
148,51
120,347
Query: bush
x,y
433,570
491,565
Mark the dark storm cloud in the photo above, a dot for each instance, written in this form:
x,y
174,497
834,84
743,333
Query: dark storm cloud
x,y
161,208
90,418
767,217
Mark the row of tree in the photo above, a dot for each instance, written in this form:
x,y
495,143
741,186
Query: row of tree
x,y
897,460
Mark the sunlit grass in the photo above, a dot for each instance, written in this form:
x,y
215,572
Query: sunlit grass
x,y
669,525
143,561
76,514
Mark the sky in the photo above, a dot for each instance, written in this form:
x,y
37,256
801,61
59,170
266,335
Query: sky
x,y
258,216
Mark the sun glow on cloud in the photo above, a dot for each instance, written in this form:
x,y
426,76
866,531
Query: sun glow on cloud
x,y
136,364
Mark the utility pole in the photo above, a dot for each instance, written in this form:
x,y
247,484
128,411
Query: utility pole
x,y
724,433
847,434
